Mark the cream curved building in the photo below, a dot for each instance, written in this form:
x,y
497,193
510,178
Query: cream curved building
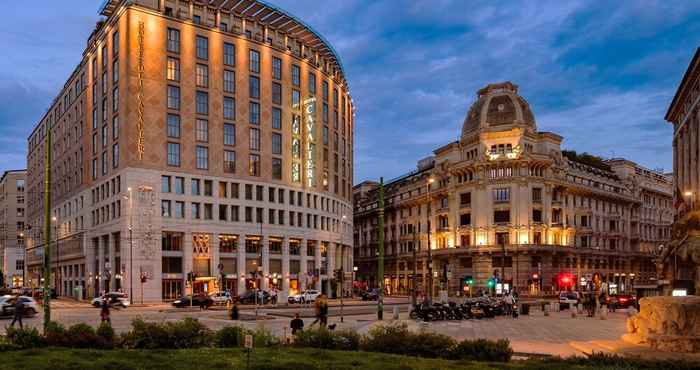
x,y
212,137
505,204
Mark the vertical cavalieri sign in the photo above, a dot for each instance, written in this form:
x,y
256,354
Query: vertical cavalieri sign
x,y
310,133
141,145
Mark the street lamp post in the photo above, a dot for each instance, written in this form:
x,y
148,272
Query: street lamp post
x,y
57,278
430,254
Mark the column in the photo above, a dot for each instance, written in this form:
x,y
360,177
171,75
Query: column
x,y
285,266
112,259
330,257
317,264
240,262
303,271
264,280
187,263
215,261
100,265
424,264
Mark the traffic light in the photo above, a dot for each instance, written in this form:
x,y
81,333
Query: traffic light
x,y
468,280
491,283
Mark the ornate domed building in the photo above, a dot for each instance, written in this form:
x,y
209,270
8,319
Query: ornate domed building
x,y
505,208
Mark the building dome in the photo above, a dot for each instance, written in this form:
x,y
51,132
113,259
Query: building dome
x,y
498,105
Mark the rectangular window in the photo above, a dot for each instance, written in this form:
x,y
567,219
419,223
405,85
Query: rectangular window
x,y
234,190
202,103
165,208
105,137
465,219
254,87
254,139
173,40
201,130
115,155
501,195
325,113
173,125
202,47
202,157
296,78
115,127
465,199
115,43
277,168
173,70
196,211
196,19
229,108
254,114
254,165
195,187
229,134
276,118
208,211
502,216
537,195
115,99
325,90
276,143
230,82
173,97
229,161
325,135
208,188
276,93
115,72
179,209
312,83
229,54
165,184
202,75
254,62
296,99
173,154
179,185
276,68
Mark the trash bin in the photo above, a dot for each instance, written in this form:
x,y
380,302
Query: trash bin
x,y
524,309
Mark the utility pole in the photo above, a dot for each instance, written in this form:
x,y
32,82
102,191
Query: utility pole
x,y
47,230
380,260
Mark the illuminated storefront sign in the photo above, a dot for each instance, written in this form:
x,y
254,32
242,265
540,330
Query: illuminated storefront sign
x,y
141,145
310,132
296,148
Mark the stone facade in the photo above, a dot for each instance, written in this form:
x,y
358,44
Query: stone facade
x,y
506,204
12,227
679,263
196,138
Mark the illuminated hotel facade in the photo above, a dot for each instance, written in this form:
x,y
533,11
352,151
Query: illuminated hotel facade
x,y
212,137
505,203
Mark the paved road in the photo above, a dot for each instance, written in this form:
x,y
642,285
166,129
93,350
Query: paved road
x,y
532,334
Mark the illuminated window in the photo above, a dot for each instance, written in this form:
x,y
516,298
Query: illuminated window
x,y
173,70
296,99
201,130
229,161
254,165
202,75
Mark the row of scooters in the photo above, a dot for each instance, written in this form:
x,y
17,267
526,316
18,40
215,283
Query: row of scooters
x,y
476,308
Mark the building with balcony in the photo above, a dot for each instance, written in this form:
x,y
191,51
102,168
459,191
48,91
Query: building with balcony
x,y
204,137
12,227
505,207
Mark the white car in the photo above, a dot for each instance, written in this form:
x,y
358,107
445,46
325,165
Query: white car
x,y
7,305
220,298
306,296
568,299
115,299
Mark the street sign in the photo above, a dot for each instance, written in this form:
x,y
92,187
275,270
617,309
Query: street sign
x,y
248,341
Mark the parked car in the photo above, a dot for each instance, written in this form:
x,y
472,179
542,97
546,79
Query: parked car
x,y
370,295
221,298
115,299
305,296
197,300
622,301
568,299
249,297
7,305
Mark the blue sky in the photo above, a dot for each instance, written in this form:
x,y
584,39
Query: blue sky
x,y
599,73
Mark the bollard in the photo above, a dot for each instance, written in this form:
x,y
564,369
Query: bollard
x,y
396,313
573,313
604,313
579,308
546,310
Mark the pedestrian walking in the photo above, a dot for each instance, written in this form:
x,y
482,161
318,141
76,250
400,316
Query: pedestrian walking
x,y
297,324
508,301
317,310
104,310
324,310
273,296
19,312
234,311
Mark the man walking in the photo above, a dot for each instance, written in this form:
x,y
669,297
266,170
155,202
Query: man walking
x,y
19,312
508,301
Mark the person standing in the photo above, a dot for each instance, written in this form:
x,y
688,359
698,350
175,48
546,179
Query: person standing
x,y
508,301
19,312
234,311
297,324
324,310
273,296
104,310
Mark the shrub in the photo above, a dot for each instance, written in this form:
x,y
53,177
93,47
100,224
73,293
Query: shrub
x,y
231,336
389,338
106,334
483,350
429,345
189,333
25,338
56,335
145,335
6,345
264,338
344,340
83,336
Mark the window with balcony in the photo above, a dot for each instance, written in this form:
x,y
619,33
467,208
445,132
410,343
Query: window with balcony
x,y
501,216
501,195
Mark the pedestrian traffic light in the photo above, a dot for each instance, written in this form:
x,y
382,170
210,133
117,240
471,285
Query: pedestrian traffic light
x,y
491,283
468,280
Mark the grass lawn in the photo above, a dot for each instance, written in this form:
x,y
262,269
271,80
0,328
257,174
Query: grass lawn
x,y
268,359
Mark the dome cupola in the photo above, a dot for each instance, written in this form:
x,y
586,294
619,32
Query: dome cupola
x,y
498,106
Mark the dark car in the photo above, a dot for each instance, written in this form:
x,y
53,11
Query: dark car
x,y
622,300
370,295
249,297
196,301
